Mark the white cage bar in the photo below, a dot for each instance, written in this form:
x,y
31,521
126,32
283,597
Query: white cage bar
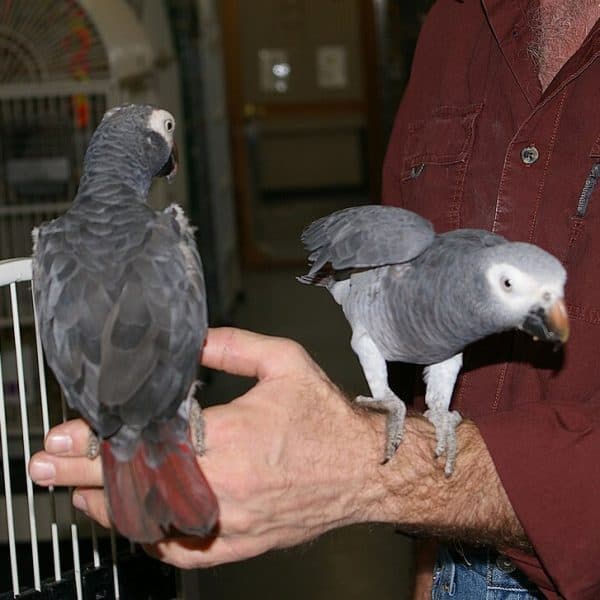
x,y
16,274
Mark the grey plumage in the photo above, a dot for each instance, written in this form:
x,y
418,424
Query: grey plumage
x,y
413,296
121,303
356,238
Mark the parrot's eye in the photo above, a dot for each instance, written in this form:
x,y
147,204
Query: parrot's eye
x,y
507,284
169,125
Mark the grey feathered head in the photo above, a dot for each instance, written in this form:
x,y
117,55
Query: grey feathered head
x,y
138,137
526,286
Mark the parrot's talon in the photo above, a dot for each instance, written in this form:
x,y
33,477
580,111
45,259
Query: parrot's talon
x,y
445,423
196,421
196,385
93,446
395,411
449,468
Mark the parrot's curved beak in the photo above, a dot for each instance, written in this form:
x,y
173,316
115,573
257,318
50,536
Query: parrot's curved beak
x,y
169,169
550,325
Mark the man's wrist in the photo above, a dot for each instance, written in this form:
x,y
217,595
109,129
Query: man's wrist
x,y
401,489
413,492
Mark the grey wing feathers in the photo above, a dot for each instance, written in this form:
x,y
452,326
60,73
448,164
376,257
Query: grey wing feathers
x,y
64,293
363,237
123,342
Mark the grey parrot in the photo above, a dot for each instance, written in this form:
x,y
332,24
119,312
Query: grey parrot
x,y
121,306
416,297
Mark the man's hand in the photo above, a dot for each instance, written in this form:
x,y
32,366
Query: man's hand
x,y
291,459
288,460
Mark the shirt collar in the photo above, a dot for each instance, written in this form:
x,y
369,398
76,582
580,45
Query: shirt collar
x,y
509,23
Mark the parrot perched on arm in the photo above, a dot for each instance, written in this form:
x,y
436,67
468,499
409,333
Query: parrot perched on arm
x,y
121,306
416,297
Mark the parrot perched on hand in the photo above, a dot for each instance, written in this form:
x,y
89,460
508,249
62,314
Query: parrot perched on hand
x,y
416,297
121,306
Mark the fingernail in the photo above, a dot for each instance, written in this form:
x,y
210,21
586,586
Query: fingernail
x,y
41,471
79,502
58,443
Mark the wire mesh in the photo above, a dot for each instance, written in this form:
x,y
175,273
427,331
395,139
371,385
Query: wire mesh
x,y
42,144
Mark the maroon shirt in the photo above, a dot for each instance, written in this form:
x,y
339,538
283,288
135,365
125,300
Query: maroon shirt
x,y
477,144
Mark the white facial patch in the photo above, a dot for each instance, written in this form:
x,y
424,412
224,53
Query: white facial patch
x,y
518,291
163,122
510,284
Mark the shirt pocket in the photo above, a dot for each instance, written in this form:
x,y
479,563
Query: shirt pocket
x,y
436,156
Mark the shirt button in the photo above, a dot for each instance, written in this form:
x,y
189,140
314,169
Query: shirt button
x,y
504,564
529,155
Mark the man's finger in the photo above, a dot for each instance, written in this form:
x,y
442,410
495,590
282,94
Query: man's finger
x,y
92,502
70,438
189,553
49,469
242,352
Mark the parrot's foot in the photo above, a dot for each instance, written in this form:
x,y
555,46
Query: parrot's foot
x,y
191,395
196,420
445,423
93,446
395,412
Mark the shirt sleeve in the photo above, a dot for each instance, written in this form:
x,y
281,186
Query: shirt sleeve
x,y
547,457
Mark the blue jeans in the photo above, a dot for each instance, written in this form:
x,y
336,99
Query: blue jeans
x,y
479,574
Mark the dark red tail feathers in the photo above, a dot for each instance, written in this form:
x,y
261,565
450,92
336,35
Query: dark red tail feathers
x,y
148,501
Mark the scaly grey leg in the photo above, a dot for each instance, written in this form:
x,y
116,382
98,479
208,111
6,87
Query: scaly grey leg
x,y
383,398
440,379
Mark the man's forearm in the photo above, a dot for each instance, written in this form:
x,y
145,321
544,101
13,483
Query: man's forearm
x,y
470,506
292,459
